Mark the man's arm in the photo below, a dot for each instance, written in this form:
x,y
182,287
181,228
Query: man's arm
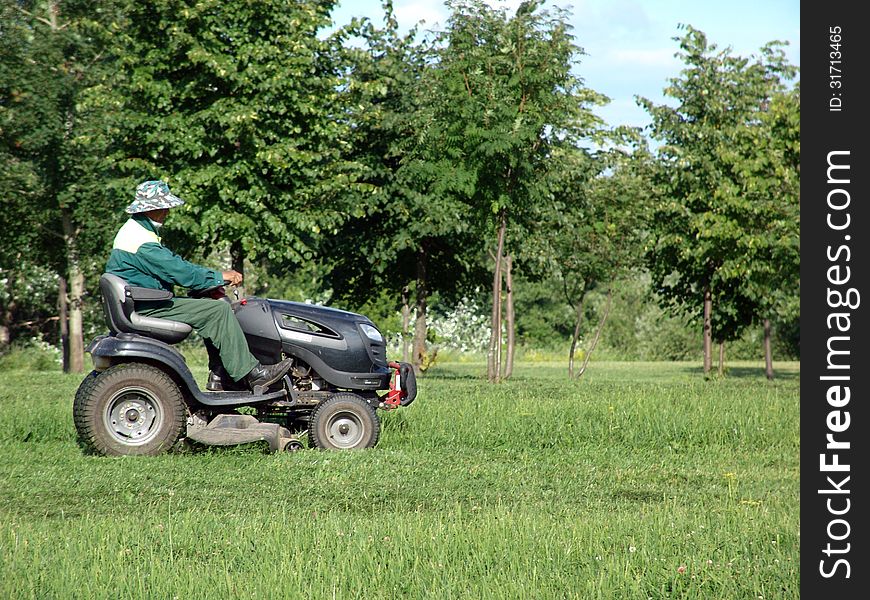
x,y
160,262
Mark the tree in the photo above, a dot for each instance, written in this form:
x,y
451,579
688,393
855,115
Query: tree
x,y
406,231
504,98
238,104
768,170
603,242
54,55
418,225
705,225
596,226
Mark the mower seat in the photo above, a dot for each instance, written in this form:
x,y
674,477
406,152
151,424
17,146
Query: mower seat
x,y
119,309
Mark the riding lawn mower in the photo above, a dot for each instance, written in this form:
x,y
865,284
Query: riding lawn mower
x,y
142,399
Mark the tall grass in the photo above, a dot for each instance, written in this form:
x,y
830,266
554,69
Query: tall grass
x,y
639,481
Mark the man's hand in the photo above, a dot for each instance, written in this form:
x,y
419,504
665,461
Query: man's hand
x,y
233,277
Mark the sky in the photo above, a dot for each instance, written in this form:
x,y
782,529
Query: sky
x,y
629,44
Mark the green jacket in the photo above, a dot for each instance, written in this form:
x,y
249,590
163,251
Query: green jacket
x,y
141,260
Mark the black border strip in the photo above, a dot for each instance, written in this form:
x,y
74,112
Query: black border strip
x,y
835,225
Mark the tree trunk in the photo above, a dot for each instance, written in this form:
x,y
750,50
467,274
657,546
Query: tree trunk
x,y
576,337
8,311
406,322
598,331
768,355
52,10
237,257
63,316
509,318
493,358
721,359
708,331
75,361
420,323
76,294
76,320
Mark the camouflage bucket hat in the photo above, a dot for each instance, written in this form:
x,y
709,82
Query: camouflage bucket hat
x,y
153,195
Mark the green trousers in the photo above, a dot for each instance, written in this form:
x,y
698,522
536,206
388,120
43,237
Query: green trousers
x,y
216,324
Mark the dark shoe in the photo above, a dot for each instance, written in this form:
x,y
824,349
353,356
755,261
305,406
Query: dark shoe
x,y
262,376
215,382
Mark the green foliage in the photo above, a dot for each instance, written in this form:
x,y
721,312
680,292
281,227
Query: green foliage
x,y
543,318
52,55
595,230
637,329
719,225
505,112
406,229
33,354
28,291
657,336
50,149
237,104
53,145
503,97
770,174
350,173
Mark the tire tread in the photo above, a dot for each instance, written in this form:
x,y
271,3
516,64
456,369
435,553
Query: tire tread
x,y
326,405
87,405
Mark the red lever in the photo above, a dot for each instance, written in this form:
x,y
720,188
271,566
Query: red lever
x,y
396,393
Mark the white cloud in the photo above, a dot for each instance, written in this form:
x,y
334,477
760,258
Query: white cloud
x,y
410,13
433,13
510,5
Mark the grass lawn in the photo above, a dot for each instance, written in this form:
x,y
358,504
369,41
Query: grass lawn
x,y
641,480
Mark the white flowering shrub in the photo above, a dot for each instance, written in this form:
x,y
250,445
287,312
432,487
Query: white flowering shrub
x,y
465,328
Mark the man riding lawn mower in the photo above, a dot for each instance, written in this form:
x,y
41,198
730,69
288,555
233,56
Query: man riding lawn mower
x,y
302,368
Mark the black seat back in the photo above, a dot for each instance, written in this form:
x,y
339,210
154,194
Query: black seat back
x,y
121,316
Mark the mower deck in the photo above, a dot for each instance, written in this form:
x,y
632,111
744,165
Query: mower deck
x,y
232,429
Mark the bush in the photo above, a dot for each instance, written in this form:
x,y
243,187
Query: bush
x,y
465,328
32,354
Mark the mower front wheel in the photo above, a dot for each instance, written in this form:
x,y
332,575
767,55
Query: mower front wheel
x,y
128,409
344,422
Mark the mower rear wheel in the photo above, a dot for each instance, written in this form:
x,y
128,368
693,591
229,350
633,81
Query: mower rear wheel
x,y
128,409
344,422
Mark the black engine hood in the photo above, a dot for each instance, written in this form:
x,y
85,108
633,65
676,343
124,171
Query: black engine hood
x,y
333,341
316,312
